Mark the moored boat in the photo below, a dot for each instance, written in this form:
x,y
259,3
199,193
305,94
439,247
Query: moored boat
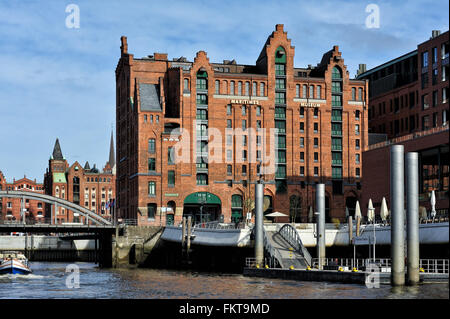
x,y
14,263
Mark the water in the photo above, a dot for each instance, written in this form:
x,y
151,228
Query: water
x,y
49,281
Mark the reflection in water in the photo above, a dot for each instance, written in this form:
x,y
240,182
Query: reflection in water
x,y
48,281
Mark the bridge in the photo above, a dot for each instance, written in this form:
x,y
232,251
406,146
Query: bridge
x,y
100,229
56,202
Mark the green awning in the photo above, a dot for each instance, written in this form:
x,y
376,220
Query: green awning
x,y
59,178
202,198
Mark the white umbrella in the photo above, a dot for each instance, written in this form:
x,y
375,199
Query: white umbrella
x,y
370,211
384,210
433,204
276,214
357,210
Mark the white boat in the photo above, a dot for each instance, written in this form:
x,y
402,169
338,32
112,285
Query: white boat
x,y
14,263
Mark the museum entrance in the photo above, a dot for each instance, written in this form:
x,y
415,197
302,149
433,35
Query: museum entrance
x,y
203,207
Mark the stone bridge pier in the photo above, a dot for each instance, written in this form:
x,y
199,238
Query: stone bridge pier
x,y
132,248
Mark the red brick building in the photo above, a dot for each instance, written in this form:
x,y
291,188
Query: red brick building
x,y
82,185
10,207
192,136
409,104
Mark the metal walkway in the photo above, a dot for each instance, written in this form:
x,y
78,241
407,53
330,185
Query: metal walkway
x,y
286,247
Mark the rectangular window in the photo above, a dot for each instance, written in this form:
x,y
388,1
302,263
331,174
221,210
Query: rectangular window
x,y
302,142
316,156
281,141
202,114
425,104
280,126
171,155
244,155
336,172
151,164
280,98
280,69
425,59
202,179
302,127
229,139
258,110
261,89
244,124
336,158
356,129
280,84
302,156
202,99
336,100
229,170
336,87
244,170
357,159
302,112
171,178
244,110
435,98
151,145
152,188
357,144
280,112
435,54
336,144
316,142
229,109
336,115
336,129
229,124
358,172
244,140
316,127
316,171
302,170
151,211
229,155
281,156
201,84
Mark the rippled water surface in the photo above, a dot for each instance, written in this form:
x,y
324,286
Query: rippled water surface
x,y
49,281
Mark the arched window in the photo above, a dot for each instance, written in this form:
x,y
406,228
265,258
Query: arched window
x,y
231,87
239,88
247,88
311,91
255,89
297,90
186,85
353,94
236,208
261,89
319,93
217,87
336,73
304,91
360,94
225,87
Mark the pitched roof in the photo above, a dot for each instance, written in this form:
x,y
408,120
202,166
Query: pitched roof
x,y
57,154
112,157
149,96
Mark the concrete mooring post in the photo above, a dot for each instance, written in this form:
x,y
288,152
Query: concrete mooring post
x,y
397,224
259,227
412,218
320,208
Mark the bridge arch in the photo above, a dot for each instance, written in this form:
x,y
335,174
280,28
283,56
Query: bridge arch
x,y
57,201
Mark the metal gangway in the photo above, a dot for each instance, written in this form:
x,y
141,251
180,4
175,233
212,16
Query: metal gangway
x,y
286,249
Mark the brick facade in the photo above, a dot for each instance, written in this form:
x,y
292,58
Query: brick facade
x,y
10,207
158,101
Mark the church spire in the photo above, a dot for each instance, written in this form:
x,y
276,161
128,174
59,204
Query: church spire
x,y
112,156
57,154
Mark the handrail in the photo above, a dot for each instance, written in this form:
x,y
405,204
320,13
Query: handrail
x,y
290,234
275,254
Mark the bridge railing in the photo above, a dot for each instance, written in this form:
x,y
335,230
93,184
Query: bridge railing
x,y
290,234
219,225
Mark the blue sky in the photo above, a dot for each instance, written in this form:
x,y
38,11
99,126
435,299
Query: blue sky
x,y
60,82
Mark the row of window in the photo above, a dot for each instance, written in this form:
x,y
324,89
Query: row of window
x,y
146,118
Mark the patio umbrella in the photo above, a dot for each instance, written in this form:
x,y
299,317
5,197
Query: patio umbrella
x,y
370,211
433,204
276,214
357,210
384,210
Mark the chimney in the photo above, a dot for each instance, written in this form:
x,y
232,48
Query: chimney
x,y
435,33
361,70
124,46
